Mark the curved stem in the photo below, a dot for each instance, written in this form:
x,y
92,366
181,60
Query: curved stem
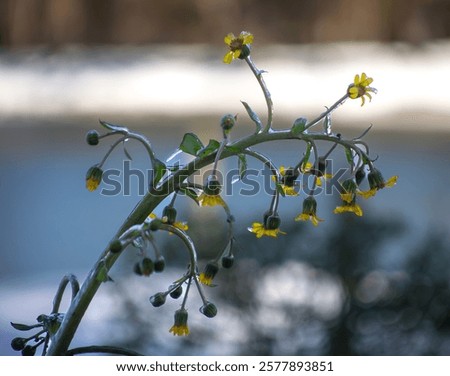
x,y
338,103
149,202
187,241
112,147
62,287
101,349
258,74
218,154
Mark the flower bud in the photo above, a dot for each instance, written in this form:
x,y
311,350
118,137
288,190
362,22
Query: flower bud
x,y
137,268
212,186
289,177
209,273
93,178
146,266
227,261
273,222
349,188
159,264
309,205
175,294
227,122
170,213
360,175
115,246
92,137
18,343
208,309
158,299
376,180
321,167
29,350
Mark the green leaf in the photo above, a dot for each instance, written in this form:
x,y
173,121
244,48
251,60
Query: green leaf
x,y
23,327
242,165
253,116
212,146
299,126
159,169
191,144
113,127
306,156
349,155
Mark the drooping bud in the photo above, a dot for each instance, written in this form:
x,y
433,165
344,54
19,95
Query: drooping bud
x,y
93,178
208,309
92,137
29,350
158,299
360,175
227,261
209,273
376,180
146,266
18,343
175,294
212,186
170,213
159,264
273,222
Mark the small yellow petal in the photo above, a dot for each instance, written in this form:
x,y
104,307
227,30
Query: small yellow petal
x,y
247,38
391,181
236,54
368,194
229,38
228,58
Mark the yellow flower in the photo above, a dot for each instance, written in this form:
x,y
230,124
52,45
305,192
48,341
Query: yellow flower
x,y
180,327
180,225
348,192
309,211
237,45
360,88
377,182
209,273
288,181
183,226
308,168
93,178
210,200
260,230
349,207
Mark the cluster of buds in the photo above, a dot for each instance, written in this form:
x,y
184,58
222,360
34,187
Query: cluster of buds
x,y
47,325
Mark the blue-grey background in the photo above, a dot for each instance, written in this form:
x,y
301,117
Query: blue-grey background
x,y
376,285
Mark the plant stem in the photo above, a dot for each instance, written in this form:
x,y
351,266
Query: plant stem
x,y
62,339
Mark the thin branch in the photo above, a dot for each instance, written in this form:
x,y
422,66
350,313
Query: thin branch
x,y
102,349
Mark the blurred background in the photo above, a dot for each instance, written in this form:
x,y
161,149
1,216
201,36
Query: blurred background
x,y
376,285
